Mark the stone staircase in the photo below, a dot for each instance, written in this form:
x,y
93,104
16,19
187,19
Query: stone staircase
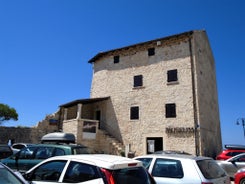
x,y
108,144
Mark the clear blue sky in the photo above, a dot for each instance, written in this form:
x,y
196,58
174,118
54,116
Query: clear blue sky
x,y
45,46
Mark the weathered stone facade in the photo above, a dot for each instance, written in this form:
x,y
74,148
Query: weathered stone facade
x,y
196,127
192,124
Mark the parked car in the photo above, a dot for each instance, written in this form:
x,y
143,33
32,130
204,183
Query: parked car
x,y
183,168
230,151
89,168
8,176
240,176
18,146
27,157
171,151
5,151
233,164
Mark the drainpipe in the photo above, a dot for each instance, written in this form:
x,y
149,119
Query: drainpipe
x,y
194,96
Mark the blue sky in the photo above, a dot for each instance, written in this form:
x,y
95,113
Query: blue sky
x,y
45,46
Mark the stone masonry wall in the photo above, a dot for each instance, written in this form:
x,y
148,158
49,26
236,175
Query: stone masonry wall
x,y
151,98
116,80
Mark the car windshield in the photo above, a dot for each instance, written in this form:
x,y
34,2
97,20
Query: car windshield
x,y
135,175
210,169
7,177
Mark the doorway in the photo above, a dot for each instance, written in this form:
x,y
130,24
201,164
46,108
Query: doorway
x,y
97,117
154,144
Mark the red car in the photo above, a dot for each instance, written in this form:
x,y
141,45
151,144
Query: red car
x,y
240,176
231,151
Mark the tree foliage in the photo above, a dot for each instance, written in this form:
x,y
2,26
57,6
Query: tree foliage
x,y
7,113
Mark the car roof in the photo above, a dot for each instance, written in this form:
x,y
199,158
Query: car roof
x,y
102,160
176,156
56,145
235,147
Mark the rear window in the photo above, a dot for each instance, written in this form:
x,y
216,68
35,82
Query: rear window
x,y
210,169
135,175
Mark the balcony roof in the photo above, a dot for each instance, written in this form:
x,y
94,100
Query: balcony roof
x,y
83,101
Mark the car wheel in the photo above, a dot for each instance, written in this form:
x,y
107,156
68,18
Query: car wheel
x,y
242,181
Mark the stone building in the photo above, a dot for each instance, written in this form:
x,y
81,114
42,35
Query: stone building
x,y
151,96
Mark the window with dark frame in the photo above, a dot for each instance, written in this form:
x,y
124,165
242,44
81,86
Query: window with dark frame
x,y
134,113
172,75
151,51
116,59
170,110
138,80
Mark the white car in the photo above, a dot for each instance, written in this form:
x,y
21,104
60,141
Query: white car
x,y
184,169
89,169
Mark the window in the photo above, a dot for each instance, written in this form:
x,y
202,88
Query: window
x,y
172,75
49,171
210,169
151,51
58,152
145,161
132,175
138,80
116,59
167,168
80,172
170,110
134,113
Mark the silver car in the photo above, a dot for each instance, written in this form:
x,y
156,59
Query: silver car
x,y
233,164
185,169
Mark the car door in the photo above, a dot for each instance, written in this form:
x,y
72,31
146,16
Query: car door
x,y
167,171
20,160
47,172
56,171
78,172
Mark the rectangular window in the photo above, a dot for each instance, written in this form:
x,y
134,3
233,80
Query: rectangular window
x,y
116,59
138,80
134,113
167,168
172,75
170,110
151,51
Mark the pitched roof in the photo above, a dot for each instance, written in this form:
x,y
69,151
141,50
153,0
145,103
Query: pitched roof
x,y
101,54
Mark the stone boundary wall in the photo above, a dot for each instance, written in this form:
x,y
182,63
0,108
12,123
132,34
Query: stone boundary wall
x,y
20,134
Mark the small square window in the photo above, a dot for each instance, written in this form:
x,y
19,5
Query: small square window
x,y
170,110
116,59
172,75
138,80
151,51
134,113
